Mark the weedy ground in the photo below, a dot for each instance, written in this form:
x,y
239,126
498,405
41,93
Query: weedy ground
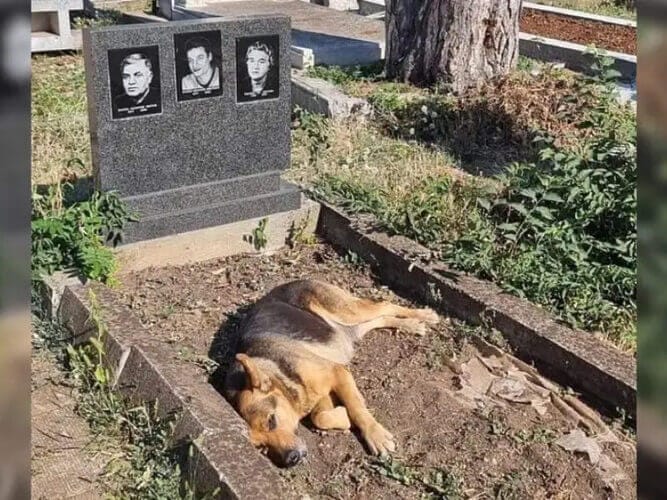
x,y
141,461
550,212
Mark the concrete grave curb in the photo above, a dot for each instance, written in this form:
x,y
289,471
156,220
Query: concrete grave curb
x,y
575,56
319,96
604,374
144,370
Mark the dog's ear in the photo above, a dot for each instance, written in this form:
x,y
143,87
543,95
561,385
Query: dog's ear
x,y
255,377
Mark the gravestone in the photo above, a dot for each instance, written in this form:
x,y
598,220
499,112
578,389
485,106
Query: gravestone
x,y
51,28
190,120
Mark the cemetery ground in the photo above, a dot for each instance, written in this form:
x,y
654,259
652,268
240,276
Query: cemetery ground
x,y
425,167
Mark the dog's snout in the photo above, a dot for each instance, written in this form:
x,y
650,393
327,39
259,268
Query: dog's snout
x,y
293,457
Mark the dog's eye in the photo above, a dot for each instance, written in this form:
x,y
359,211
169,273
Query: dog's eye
x,y
272,423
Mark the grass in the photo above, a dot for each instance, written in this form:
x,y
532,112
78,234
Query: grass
x,y
616,8
60,138
558,227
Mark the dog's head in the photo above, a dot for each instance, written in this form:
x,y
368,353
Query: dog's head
x,y
272,419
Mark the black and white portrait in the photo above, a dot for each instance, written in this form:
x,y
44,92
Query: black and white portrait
x,y
134,75
257,68
198,62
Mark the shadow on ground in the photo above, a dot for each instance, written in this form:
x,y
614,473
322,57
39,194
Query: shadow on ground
x,y
479,134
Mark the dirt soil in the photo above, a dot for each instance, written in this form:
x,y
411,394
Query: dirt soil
x,y
611,37
484,449
63,464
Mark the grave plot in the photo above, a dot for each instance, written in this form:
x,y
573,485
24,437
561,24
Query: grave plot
x,y
618,38
469,419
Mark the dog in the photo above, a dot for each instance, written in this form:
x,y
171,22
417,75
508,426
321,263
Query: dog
x,y
291,362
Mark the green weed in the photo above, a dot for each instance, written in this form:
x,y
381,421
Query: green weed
x,y
314,128
509,487
99,18
299,233
344,75
73,237
434,482
258,238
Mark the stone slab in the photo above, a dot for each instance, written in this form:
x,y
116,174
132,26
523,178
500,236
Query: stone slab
x,y
370,7
318,96
604,374
188,142
288,197
55,5
50,23
42,41
574,55
216,242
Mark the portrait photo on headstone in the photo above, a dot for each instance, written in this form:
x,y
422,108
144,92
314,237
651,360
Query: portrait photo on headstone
x,y
134,76
257,68
198,63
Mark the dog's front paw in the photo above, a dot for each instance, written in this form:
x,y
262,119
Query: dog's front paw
x,y
379,440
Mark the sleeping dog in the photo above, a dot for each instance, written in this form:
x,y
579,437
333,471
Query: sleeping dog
x,y
294,348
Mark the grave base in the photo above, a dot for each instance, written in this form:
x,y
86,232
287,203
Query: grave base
x,y
156,225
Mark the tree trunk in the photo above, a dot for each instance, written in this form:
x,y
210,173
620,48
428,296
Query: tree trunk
x,y
459,43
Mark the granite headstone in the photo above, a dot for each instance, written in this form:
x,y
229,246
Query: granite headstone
x,y
190,120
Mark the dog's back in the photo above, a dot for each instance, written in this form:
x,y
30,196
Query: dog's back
x,y
281,331
283,319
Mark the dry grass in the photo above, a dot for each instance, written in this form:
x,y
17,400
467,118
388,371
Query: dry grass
x,y
485,129
357,150
60,140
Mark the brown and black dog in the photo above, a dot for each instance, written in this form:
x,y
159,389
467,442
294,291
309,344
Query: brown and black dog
x,y
294,348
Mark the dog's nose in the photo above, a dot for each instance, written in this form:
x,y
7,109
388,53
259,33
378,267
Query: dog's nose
x,y
294,457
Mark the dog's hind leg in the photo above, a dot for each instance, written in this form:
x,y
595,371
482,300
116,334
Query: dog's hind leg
x,y
326,416
410,325
335,304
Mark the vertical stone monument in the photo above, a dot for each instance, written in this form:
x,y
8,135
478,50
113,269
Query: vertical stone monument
x,y
190,120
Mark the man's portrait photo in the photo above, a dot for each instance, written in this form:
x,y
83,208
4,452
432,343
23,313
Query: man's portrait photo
x,y
257,68
135,82
198,60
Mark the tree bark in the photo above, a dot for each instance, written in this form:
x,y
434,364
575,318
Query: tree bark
x,y
459,43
